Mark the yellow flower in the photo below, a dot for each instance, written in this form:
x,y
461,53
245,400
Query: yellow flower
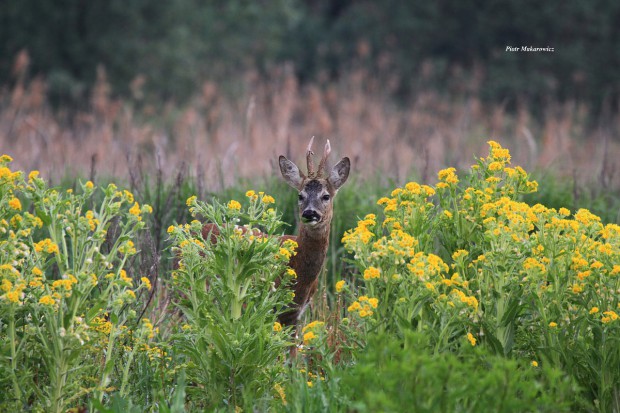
x,y
609,316
495,166
6,158
267,199
277,327
127,248
471,339
534,363
234,205
284,253
190,201
89,185
135,210
47,300
309,337
340,285
32,175
354,307
374,302
594,310
564,212
36,283
37,272
146,282
448,176
12,296
313,325
125,279
310,384
553,324
170,229
128,195
447,214
15,204
291,272
371,272
46,245
458,254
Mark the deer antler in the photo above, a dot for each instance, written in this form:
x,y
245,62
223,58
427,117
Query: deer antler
x,y
309,159
326,152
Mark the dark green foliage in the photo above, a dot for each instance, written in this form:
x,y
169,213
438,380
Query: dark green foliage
x,y
397,375
455,47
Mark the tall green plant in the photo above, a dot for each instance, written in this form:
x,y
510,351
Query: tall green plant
x,y
466,261
65,290
231,286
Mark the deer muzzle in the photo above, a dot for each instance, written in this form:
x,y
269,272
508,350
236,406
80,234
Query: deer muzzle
x,y
310,216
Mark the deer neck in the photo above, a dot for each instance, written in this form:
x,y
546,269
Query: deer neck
x,y
311,251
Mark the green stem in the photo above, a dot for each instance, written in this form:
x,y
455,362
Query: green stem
x,y
126,370
58,386
105,375
59,375
16,389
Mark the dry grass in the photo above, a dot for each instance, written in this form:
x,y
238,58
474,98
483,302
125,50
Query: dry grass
x,y
222,138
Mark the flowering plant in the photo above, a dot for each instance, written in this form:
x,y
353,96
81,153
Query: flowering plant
x,y
467,263
64,288
231,286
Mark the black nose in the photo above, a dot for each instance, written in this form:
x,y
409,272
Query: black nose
x,y
310,215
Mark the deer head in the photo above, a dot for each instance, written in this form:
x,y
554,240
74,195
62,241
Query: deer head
x,y
318,188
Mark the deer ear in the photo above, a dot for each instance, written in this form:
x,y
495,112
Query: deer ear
x,y
291,173
339,173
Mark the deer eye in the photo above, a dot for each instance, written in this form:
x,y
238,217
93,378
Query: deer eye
x,y
300,197
325,197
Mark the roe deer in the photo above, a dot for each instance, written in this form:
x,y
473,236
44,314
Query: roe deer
x,y
316,196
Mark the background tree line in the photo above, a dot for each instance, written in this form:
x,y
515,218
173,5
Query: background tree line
x,y
448,45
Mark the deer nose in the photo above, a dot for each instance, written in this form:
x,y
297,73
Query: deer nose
x,y
310,215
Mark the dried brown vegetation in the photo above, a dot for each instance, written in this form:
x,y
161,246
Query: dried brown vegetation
x,y
216,131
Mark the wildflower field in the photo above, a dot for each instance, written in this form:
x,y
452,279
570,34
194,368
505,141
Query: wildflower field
x,y
467,294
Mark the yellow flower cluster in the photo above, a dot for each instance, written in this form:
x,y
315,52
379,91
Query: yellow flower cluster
x,y
91,221
310,331
447,178
47,246
362,234
471,339
101,325
340,285
371,272
146,282
514,249
234,205
127,248
364,306
609,316
287,250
